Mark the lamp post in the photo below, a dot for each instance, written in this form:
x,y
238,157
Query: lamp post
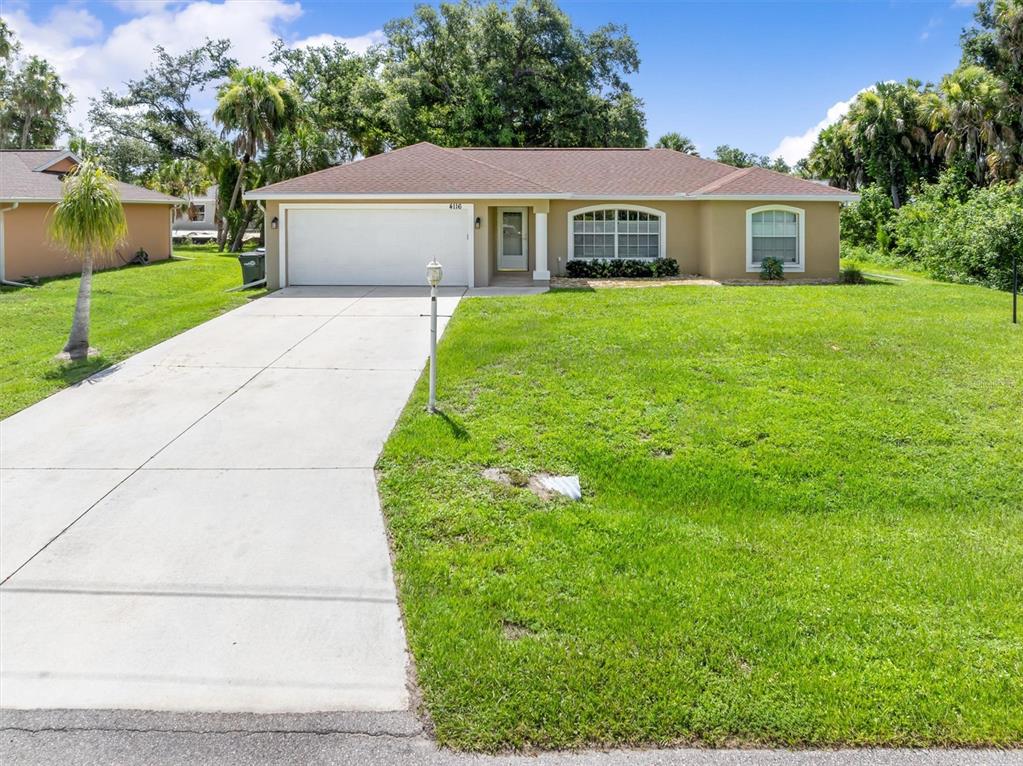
x,y
434,274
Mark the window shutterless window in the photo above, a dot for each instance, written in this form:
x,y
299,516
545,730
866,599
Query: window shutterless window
x,y
616,233
775,231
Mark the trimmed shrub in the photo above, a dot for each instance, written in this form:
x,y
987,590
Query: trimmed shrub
x,y
772,269
622,268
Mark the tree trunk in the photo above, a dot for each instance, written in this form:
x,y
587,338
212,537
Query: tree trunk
x,y
236,246
238,185
77,346
24,131
896,202
221,233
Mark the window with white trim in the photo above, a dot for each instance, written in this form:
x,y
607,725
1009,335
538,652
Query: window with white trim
x,y
194,212
775,231
616,233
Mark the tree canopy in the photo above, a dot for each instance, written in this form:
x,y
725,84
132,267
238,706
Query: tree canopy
x,y
34,100
902,135
488,75
677,142
736,157
159,109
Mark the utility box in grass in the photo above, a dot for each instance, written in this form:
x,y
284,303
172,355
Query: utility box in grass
x,y
253,266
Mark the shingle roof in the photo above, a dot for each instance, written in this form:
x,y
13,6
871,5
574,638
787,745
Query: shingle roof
x,y
419,169
428,169
20,181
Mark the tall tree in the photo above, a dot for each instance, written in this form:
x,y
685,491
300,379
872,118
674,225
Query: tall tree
x,y
996,43
254,106
88,222
888,135
222,166
832,157
330,79
966,117
677,142
296,151
36,103
479,74
159,108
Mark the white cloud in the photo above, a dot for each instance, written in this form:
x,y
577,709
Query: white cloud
x,y
358,44
794,148
90,58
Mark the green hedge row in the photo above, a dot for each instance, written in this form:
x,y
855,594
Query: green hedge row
x,y
622,268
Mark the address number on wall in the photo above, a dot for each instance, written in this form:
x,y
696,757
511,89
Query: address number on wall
x,y
455,206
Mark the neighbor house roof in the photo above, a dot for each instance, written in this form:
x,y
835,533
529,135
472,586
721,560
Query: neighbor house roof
x,y
24,178
427,170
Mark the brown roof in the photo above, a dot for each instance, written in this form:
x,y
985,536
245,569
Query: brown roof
x,y
20,181
428,169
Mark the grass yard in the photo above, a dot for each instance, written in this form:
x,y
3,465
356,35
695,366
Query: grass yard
x,y
132,308
801,521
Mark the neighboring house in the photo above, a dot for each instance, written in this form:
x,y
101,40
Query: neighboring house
x,y
30,186
497,215
198,216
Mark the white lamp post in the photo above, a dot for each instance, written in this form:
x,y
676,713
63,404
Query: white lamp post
x,y
434,274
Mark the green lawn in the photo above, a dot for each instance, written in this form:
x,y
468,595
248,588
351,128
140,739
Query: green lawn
x,y
801,521
132,308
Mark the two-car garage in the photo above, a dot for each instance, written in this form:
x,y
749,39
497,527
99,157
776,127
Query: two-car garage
x,y
374,244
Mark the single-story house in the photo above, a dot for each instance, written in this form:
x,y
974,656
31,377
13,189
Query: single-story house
x,y
30,186
199,215
500,215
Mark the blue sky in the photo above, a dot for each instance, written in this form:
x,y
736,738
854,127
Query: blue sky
x,y
758,75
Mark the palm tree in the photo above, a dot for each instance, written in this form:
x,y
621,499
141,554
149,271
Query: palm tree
x,y
180,178
38,94
887,133
297,151
677,142
88,222
218,159
255,106
832,157
966,117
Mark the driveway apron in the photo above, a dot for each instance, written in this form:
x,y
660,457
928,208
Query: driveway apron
x,y
198,528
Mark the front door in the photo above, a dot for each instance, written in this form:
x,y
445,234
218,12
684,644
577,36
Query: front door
x,y
512,245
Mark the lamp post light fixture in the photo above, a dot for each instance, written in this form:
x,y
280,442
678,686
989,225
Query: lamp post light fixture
x,y
434,274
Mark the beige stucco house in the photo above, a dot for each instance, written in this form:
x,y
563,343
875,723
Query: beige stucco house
x,y
493,216
30,186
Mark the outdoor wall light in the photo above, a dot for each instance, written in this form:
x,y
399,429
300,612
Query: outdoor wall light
x,y
478,222
273,223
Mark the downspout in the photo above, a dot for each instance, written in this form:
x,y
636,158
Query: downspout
x,y
3,247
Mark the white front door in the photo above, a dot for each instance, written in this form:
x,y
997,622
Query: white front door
x,y
512,241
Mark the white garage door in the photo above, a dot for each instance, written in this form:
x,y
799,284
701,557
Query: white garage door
x,y
377,245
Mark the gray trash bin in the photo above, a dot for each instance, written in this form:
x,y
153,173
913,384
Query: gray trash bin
x,y
253,266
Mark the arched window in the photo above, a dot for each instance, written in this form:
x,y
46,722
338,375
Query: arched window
x,y
775,231
627,231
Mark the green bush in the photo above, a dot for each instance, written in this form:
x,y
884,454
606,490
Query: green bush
x,y
772,269
622,268
973,242
851,276
866,222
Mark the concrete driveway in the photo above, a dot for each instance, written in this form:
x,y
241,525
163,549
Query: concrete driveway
x,y
199,529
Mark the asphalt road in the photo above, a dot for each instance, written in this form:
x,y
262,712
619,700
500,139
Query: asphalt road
x,y
87,738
